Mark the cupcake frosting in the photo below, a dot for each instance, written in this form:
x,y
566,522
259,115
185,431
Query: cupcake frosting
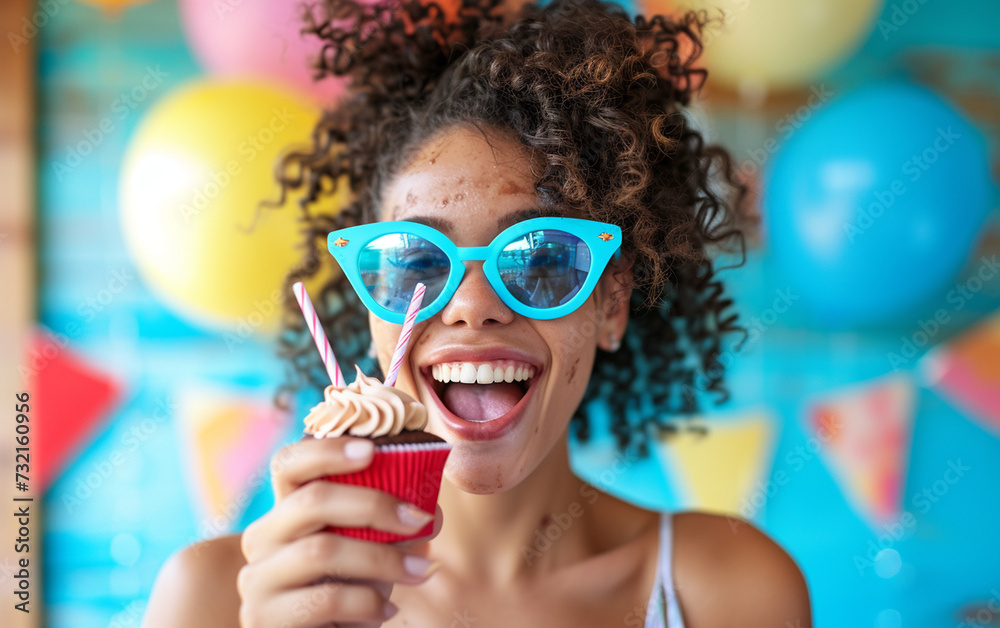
x,y
366,407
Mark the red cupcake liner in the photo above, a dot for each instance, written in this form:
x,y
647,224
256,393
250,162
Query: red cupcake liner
x,y
410,472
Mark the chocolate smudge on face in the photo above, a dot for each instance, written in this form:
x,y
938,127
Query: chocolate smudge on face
x,y
438,149
509,187
572,371
544,523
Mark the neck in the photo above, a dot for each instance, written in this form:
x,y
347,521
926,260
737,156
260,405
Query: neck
x,y
536,526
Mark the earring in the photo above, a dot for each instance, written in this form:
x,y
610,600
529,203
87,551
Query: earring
x,y
613,343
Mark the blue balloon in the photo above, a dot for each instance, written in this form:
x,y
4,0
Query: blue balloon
x,y
872,206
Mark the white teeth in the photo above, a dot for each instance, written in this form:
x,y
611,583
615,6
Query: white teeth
x,y
481,373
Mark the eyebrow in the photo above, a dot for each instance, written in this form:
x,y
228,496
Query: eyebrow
x,y
440,224
522,214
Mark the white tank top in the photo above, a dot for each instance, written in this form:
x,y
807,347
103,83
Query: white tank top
x,y
663,610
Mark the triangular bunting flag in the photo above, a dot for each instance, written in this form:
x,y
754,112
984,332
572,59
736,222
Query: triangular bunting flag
x,y
720,470
70,398
864,435
228,439
966,371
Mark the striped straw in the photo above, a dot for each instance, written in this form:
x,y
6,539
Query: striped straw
x,y
404,334
319,336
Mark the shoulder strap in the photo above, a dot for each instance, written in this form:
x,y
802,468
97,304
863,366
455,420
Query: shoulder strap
x,y
662,610
665,568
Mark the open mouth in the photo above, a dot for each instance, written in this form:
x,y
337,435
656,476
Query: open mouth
x,y
480,392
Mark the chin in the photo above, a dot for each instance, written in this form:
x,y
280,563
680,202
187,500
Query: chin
x,y
479,477
485,468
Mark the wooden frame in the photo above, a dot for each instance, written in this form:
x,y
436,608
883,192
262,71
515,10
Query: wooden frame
x,y
18,26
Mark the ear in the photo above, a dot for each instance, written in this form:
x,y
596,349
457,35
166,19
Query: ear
x,y
615,295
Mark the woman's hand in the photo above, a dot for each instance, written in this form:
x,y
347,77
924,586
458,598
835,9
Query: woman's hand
x,y
297,574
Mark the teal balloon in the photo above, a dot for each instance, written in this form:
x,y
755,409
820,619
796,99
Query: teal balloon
x,y
873,205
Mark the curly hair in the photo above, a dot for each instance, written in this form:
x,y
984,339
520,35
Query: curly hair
x,y
601,98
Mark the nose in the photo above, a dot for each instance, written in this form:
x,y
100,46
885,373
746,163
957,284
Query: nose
x,y
475,304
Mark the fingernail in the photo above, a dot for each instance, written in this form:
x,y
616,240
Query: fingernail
x,y
410,515
389,610
358,449
419,566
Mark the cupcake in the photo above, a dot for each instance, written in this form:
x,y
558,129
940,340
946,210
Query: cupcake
x,y
408,462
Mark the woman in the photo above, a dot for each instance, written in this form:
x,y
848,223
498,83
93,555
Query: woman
x,y
473,125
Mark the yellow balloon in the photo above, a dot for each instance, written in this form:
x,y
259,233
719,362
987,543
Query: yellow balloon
x,y
112,7
192,178
776,44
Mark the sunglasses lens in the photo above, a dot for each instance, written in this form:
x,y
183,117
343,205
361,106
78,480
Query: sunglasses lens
x,y
545,268
392,265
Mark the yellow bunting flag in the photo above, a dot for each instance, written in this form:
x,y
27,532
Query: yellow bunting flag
x,y
720,470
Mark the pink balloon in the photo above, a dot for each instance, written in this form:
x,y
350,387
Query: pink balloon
x,y
258,39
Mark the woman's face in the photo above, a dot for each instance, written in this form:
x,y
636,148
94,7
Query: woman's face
x,y
470,190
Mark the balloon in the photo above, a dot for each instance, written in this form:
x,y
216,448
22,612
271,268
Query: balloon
x,y
777,44
112,7
193,175
264,40
872,205
260,39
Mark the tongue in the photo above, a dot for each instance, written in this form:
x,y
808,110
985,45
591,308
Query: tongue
x,y
481,402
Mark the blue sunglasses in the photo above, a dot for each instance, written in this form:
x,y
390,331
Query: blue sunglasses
x,y
542,268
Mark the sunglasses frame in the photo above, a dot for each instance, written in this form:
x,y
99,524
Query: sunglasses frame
x,y
603,240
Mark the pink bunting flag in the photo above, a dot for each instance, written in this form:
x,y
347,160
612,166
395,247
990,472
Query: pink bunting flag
x,y
864,436
966,371
228,438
